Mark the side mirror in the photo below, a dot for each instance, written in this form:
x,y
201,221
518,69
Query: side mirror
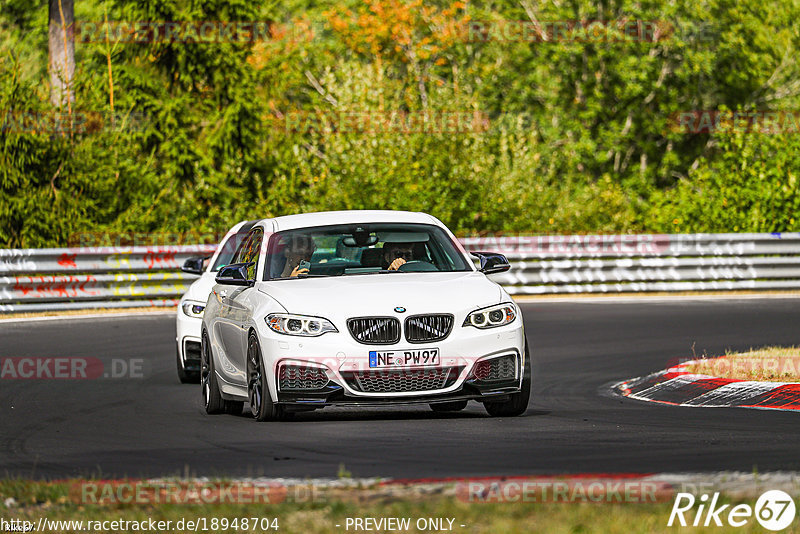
x,y
234,274
193,265
492,263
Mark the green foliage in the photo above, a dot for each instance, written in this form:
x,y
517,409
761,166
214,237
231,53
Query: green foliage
x,y
751,184
571,136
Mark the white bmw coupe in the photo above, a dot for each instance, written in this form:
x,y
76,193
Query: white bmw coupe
x,y
360,308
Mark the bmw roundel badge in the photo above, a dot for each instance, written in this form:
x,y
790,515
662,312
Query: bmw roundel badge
x,y
400,309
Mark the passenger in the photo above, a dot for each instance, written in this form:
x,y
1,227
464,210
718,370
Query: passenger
x,y
299,249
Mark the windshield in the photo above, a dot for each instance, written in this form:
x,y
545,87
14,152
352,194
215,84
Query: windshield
x,y
362,249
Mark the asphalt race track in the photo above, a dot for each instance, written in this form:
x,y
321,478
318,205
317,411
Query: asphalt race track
x,y
155,426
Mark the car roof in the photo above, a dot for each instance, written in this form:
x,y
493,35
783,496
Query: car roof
x,y
327,218
243,226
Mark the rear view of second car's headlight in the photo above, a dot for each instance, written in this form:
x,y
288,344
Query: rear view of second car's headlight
x,y
299,325
194,309
494,316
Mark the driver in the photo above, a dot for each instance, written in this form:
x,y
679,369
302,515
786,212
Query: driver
x,y
396,254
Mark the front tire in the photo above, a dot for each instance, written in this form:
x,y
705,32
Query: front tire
x,y
261,406
212,399
186,377
518,402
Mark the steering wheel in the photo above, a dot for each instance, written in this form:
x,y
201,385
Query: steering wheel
x,y
417,266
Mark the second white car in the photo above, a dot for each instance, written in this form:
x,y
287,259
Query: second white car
x,y
193,303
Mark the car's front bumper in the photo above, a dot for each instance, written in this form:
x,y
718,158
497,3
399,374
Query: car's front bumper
x,y
340,357
187,337
336,396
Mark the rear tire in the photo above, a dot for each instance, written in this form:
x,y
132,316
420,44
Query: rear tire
x,y
518,402
261,406
452,406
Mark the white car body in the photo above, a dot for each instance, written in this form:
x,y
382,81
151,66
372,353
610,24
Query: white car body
x,y
235,315
188,325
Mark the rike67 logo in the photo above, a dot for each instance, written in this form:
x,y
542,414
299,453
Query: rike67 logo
x,y
774,510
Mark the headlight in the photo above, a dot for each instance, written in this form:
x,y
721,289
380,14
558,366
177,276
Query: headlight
x,y
499,315
194,309
299,325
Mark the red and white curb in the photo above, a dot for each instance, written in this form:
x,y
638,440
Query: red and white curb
x,y
678,387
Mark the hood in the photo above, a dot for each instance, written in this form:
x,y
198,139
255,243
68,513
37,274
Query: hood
x,y
341,297
201,288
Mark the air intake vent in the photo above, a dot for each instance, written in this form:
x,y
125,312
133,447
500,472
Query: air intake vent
x,y
375,330
426,328
295,377
502,368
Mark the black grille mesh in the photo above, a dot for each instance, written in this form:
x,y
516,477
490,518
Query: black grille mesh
x,y
375,330
402,380
426,328
502,368
294,377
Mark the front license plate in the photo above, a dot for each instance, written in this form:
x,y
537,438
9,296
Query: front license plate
x,y
403,358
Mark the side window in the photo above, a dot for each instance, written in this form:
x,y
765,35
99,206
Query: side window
x,y
241,251
230,247
251,250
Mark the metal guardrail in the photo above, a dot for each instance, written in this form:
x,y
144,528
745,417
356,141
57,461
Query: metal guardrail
x,y
637,263
118,277
98,277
